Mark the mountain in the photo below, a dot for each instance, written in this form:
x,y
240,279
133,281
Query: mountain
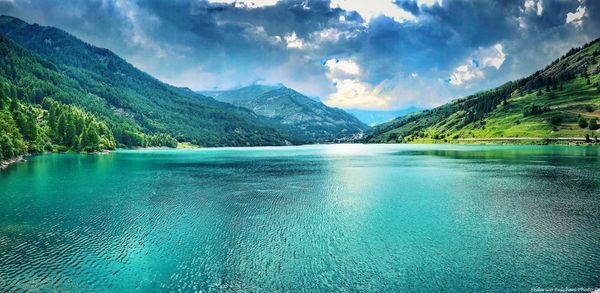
x,y
303,118
50,62
561,101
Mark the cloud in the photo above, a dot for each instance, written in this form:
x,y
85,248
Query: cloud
x,y
246,4
353,92
390,54
293,41
472,70
534,5
374,8
350,90
339,68
466,73
576,18
356,94
493,56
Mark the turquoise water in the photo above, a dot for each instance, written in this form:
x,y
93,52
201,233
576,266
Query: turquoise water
x,y
317,218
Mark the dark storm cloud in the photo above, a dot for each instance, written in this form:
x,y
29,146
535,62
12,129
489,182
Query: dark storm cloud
x,y
218,45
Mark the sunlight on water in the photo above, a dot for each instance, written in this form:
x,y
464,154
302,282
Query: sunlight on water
x,y
311,218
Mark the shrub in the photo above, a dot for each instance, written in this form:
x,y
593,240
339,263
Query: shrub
x,y
534,110
594,124
556,119
582,122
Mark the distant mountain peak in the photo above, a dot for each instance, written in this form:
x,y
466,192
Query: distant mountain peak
x,y
295,113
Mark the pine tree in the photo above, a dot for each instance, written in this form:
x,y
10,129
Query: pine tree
x,y
53,115
61,128
71,139
14,105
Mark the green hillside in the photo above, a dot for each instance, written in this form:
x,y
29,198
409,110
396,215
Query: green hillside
x,y
561,102
54,63
303,118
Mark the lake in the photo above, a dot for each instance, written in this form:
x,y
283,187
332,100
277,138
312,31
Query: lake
x,y
412,218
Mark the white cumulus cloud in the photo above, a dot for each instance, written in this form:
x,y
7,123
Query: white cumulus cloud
x,y
472,69
493,56
338,68
576,17
356,94
373,8
534,5
350,90
294,41
246,4
465,73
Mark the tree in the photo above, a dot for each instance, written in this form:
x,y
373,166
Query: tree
x,y
594,124
71,139
7,147
14,105
30,129
582,122
556,119
561,87
61,128
89,138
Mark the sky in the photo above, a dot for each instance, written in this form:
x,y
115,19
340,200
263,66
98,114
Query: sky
x,y
367,56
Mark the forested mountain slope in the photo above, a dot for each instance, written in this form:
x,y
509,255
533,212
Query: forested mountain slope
x,y
51,126
305,119
130,101
561,101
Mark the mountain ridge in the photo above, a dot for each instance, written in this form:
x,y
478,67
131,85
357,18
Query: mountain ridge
x,y
295,113
129,99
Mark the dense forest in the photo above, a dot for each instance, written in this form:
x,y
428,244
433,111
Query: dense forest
x,y
51,126
563,100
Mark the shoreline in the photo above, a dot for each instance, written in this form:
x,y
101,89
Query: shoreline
x,y
533,141
6,163
564,141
